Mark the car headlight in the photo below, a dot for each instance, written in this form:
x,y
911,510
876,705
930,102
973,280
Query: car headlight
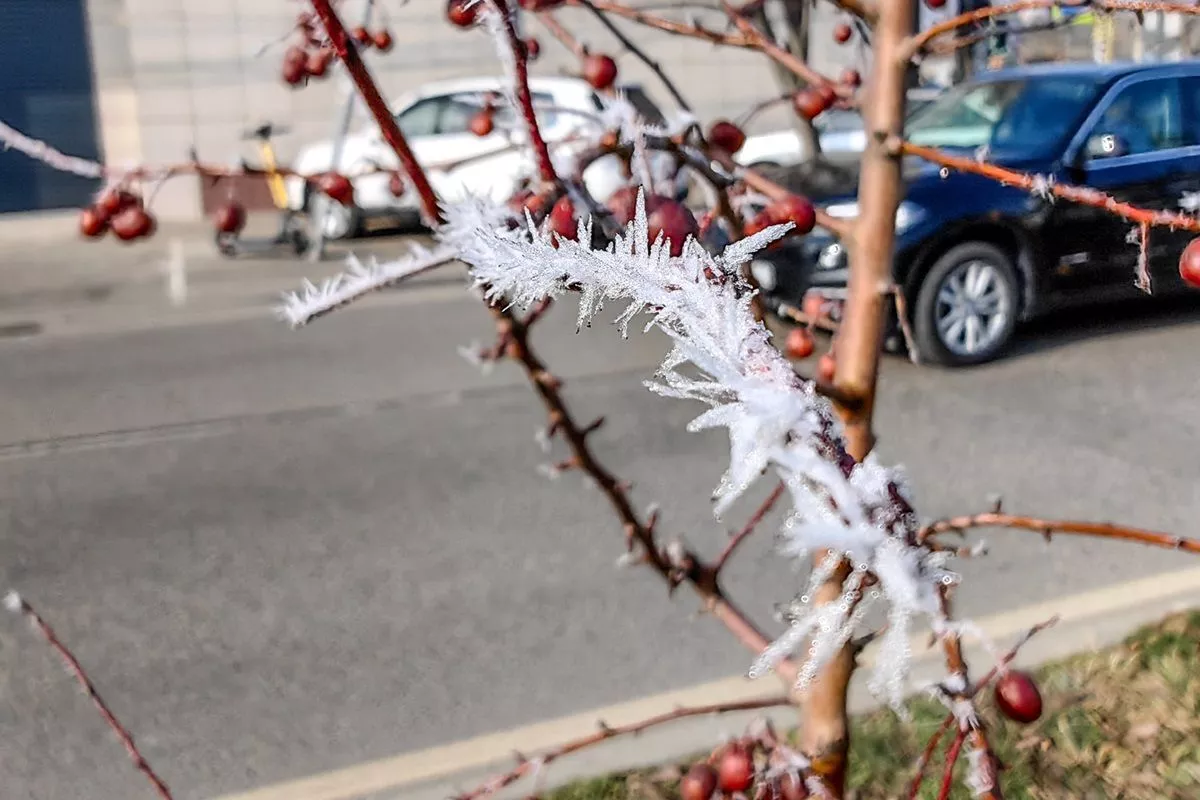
x,y
907,215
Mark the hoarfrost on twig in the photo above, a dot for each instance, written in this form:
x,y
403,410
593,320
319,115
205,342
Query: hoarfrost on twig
x,y
300,308
774,419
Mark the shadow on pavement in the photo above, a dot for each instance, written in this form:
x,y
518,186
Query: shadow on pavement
x,y
1067,327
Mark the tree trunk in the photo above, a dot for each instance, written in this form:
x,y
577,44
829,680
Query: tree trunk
x,y
825,731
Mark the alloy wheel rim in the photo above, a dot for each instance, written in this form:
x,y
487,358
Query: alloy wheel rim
x,y
973,308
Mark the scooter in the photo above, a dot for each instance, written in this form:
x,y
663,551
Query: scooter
x,y
291,226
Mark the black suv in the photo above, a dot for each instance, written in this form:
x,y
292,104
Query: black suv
x,y
975,257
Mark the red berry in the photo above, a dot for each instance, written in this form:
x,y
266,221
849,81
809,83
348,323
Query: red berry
x,y
318,62
533,49
794,209
842,32
736,771
673,220
482,123
383,40
528,200
132,223
727,136
826,368
758,223
812,305
114,201
294,73
93,223
623,204
562,219
396,185
699,783
1017,697
337,187
935,4
599,70
230,218
799,343
851,77
811,102
295,55
462,13
1189,264
361,35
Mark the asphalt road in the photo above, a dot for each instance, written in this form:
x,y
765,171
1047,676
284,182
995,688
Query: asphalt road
x,y
284,552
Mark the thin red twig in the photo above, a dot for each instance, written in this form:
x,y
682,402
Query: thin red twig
x,y
1035,183
639,53
750,526
1048,527
524,97
529,765
762,42
551,23
348,53
920,41
692,29
19,605
951,759
915,787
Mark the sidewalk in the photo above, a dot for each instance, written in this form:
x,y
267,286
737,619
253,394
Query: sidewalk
x,y
50,276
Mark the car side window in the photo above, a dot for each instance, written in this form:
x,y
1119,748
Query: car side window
x,y
1144,117
1191,110
421,118
458,113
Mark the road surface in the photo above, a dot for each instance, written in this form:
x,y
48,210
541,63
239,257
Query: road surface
x,y
282,552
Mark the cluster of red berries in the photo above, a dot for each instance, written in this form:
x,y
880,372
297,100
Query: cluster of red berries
x,y
122,212
313,58
664,216
731,770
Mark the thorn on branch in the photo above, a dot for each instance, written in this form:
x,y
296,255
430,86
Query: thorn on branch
x,y
593,426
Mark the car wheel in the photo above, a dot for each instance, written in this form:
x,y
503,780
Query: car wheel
x,y
337,221
966,309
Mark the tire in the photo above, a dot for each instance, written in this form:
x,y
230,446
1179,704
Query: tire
x,y
345,221
967,306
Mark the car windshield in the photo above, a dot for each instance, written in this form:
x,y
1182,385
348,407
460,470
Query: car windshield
x,y
1030,116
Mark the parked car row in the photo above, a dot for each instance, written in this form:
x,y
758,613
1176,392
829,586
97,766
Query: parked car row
x,y
974,257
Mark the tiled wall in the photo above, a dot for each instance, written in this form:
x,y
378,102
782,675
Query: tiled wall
x,y
177,73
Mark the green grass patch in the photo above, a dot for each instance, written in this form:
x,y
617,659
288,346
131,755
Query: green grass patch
x,y
1117,723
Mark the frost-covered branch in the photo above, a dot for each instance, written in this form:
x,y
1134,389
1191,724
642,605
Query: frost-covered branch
x,y
313,301
723,357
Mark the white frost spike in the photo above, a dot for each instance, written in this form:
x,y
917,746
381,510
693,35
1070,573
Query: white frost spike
x,y
978,779
300,308
471,354
723,357
13,602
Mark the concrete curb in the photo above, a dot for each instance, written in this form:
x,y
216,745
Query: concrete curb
x,y
1087,621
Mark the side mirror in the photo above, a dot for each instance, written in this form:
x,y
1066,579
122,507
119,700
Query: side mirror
x,y
1105,145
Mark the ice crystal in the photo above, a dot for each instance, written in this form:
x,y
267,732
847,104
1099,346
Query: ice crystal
x,y
723,357
300,308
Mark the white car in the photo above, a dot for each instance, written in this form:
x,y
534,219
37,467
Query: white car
x,y
436,121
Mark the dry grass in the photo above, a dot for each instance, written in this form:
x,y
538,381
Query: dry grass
x,y
1119,723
